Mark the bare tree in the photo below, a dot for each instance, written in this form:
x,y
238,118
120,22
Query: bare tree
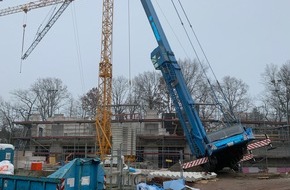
x,y
194,76
119,94
74,108
51,94
190,71
146,89
269,95
257,114
277,90
156,95
134,104
90,102
25,103
233,95
284,95
7,117
165,97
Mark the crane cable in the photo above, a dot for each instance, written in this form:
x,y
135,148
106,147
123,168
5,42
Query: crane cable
x,y
50,15
78,47
24,29
194,49
200,46
207,60
232,115
129,44
175,35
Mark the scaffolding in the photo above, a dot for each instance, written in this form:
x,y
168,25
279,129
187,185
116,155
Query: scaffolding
x,y
154,141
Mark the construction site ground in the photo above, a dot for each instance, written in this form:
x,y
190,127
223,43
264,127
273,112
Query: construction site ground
x,y
237,181
225,180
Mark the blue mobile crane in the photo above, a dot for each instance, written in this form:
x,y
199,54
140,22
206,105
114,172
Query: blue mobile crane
x,y
223,148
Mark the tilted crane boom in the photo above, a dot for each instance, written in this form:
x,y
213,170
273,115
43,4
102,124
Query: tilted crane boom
x,y
51,22
222,148
29,6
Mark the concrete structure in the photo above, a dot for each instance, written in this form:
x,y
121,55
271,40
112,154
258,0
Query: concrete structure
x,y
153,141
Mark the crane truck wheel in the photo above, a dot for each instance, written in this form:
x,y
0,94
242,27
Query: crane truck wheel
x,y
212,165
236,166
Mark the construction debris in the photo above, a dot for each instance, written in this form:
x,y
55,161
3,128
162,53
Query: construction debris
x,y
187,176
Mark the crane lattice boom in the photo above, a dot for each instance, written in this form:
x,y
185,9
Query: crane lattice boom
x,y
29,6
42,33
103,115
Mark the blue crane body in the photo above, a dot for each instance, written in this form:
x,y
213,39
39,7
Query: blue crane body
x,y
225,147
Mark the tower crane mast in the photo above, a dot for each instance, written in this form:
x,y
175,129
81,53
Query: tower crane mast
x,y
103,113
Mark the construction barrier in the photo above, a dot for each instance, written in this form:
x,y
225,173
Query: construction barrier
x,y
36,166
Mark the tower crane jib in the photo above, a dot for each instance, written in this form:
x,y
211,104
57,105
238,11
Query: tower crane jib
x,y
29,6
46,28
33,5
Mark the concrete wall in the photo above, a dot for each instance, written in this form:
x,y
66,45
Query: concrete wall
x,y
124,138
71,129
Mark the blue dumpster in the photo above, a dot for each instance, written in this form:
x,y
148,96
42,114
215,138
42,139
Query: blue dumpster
x,y
78,174
82,174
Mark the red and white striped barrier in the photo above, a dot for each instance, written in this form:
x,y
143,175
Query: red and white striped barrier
x,y
195,163
247,157
259,144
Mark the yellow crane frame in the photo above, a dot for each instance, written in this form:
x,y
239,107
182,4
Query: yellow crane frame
x,y
104,113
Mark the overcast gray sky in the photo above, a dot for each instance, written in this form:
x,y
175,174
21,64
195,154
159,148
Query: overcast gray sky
x,y
239,37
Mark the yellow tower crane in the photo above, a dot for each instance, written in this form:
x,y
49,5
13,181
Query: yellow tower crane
x,y
103,112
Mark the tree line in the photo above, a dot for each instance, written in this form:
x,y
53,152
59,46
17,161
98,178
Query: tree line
x,y
147,91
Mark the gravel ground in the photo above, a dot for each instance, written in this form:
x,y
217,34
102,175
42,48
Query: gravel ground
x,y
232,181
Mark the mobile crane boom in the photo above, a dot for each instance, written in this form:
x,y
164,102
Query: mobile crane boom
x,y
163,59
222,148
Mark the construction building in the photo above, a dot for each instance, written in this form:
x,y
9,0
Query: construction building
x,y
153,141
